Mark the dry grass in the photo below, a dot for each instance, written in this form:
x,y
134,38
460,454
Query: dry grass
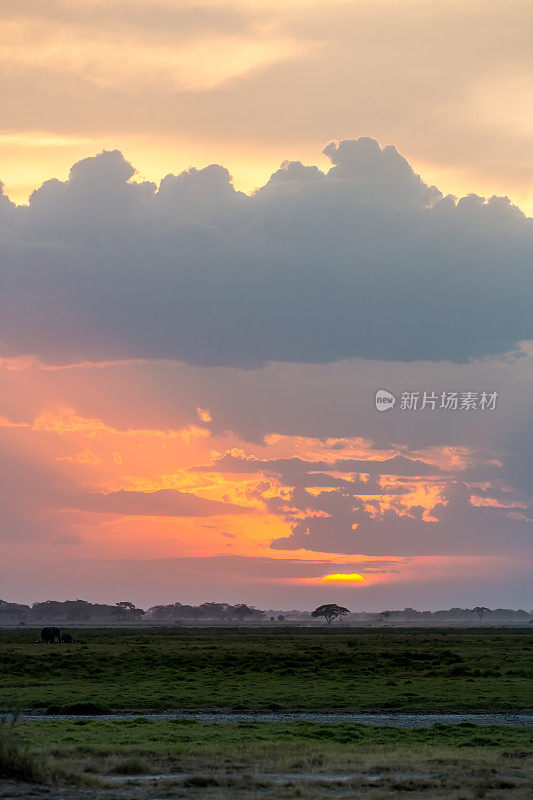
x,y
16,760
20,763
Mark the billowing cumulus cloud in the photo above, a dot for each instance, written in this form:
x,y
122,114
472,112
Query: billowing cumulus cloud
x,y
187,381
188,371
364,260
250,83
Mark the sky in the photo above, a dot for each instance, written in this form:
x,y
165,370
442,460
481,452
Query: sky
x,y
225,228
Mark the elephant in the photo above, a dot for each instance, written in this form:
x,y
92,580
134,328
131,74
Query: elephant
x,y
66,638
49,635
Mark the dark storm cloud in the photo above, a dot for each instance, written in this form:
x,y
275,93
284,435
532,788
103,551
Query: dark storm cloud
x,y
366,260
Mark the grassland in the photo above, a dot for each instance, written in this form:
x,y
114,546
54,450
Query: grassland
x,y
258,669
255,669
275,743
295,760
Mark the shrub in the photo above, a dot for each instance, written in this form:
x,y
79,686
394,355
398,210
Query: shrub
x,y
130,766
82,708
16,761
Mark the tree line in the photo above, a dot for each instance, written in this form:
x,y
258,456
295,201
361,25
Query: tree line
x,y
124,611
82,611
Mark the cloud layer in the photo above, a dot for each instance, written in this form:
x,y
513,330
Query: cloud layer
x,y
164,502
130,484
207,363
179,83
345,525
366,260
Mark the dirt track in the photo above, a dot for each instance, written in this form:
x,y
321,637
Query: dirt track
x,y
519,719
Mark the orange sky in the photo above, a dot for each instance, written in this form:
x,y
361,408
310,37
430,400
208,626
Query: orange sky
x,y
93,450
59,454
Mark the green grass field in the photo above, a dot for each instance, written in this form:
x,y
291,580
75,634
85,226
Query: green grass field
x,y
274,760
254,669
280,740
260,669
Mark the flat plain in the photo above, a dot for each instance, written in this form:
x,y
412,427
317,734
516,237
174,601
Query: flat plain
x,y
255,669
258,670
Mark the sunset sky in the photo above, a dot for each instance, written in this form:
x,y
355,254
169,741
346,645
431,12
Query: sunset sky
x,y
224,227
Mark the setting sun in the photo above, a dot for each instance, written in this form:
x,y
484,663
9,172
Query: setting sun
x,y
266,369
342,577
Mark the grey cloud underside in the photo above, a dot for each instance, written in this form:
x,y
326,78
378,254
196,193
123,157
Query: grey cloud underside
x,y
250,568
322,480
365,260
264,567
161,503
346,519
347,526
291,467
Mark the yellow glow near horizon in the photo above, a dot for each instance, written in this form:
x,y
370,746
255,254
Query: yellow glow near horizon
x,y
249,85
28,159
343,577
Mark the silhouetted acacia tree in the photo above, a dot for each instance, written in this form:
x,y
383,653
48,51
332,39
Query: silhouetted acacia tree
x,y
329,611
481,611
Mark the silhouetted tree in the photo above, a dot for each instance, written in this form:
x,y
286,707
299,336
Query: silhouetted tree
x,y
158,612
481,611
330,611
385,615
242,610
214,610
77,610
16,611
127,612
